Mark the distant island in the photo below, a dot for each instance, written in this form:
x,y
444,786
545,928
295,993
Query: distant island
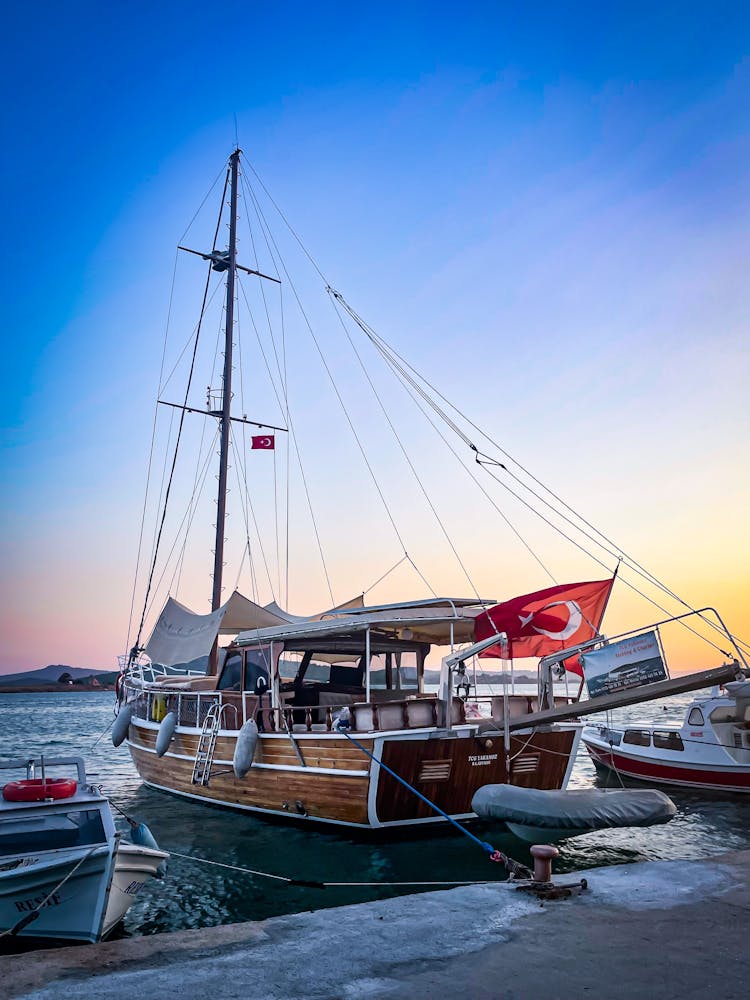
x,y
58,677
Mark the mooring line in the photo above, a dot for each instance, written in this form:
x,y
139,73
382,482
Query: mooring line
x,y
311,884
514,868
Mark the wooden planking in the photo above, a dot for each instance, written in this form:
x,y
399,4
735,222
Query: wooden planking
x,y
448,771
333,752
543,762
329,796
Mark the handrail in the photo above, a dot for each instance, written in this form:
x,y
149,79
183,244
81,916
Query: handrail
x,y
191,707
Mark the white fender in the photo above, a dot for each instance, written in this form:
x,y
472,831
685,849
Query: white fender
x,y
121,725
244,750
167,727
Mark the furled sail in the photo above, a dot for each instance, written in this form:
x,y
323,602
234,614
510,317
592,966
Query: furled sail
x,y
180,635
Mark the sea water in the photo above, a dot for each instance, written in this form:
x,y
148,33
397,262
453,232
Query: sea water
x,y
197,895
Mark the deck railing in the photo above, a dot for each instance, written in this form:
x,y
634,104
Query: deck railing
x,y
426,711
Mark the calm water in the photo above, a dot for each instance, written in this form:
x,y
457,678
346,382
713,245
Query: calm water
x,y
195,895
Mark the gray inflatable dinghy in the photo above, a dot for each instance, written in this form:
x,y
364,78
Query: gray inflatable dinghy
x,y
533,814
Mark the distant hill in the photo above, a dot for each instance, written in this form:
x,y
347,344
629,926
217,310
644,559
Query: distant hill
x,y
483,677
52,673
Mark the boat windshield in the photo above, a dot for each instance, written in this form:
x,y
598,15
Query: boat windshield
x,y
331,668
37,832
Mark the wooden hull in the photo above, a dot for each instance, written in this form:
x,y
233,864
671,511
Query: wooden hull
x,y
339,784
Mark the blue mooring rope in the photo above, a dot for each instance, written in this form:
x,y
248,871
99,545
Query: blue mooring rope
x,y
494,854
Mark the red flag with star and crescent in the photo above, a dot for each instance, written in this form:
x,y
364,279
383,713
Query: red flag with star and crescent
x,y
265,442
546,621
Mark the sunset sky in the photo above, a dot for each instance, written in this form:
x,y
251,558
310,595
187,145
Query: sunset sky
x,y
544,208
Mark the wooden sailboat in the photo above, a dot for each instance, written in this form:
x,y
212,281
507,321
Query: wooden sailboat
x,y
262,730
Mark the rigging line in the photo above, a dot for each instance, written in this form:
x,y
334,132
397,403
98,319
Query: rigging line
x,y
591,555
614,552
182,416
238,458
391,356
188,342
242,466
151,454
295,442
640,570
341,401
205,199
387,573
266,233
194,497
420,574
468,471
256,261
404,452
287,451
171,473
272,246
276,524
263,226
638,567
285,220
186,522
485,493
172,416
293,435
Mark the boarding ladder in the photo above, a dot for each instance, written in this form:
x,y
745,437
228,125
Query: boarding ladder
x,y
204,755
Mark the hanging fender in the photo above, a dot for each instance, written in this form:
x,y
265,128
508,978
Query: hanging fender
x,y
121,725
244,750
165,735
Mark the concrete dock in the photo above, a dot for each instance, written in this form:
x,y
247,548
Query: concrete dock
x,y
666,929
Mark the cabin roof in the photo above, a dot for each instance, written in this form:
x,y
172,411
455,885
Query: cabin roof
x,y
435,620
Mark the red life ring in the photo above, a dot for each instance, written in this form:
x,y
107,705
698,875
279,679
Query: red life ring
x,y
38,789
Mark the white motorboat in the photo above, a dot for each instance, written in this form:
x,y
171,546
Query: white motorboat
x,y
65,871
710,750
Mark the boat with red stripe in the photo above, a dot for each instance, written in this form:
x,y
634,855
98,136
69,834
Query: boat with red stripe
x,y
710,750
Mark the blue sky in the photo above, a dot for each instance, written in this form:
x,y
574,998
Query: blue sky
x,y
560,188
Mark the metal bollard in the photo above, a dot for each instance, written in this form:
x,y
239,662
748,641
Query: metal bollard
x,y
543,855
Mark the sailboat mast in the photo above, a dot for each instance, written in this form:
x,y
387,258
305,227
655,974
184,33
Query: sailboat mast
x,y
221,507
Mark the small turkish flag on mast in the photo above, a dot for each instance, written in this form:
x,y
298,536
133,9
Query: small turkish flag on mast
x,y
265,442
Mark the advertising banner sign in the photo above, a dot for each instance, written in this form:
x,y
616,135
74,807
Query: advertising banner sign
x,y
625,664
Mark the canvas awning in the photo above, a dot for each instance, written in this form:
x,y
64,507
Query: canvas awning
x,y
180,635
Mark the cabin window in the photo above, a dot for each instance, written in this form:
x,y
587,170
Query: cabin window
x,y
257,666
405,667
637,737
318,672
611,736
666,739
348,675
381,669
231,675
50,833
696,717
